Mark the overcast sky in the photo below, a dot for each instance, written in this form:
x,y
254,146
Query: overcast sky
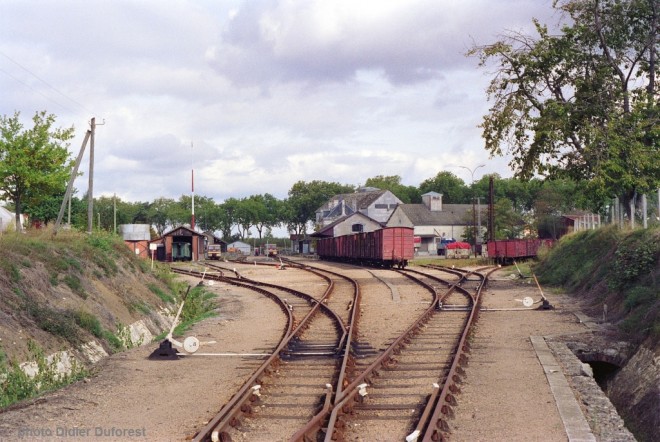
x,y
267,92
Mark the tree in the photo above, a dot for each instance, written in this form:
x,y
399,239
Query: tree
x,y
226,217
205,211
509,224
556,198
45,209
451,187
305,198
268,212
162,213
132,212
34,163
407,194
581,104
246,215
521,193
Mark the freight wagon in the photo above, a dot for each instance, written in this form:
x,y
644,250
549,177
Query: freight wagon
x,y
387,247
508,250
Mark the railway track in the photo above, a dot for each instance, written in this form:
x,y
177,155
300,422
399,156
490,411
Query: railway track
x,y
400,389
321,384
299,379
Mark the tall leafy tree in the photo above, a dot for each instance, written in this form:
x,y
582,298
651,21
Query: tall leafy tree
x,y
246,215
163,212
34,163
205,210
407,194
132,212
521,193
305,198
268,213
554,199
451,187
581,104
226,217
45,209
509,224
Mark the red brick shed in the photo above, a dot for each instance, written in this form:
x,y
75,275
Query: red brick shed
x,y
179,244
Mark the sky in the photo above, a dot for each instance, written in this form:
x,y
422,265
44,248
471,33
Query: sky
x,y
258,95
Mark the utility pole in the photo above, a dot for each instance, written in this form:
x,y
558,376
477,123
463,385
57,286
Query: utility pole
x,y
90,190
90,186
491,209
69,187
192,183
478,215
114,213
474,212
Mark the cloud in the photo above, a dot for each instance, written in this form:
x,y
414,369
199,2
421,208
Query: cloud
x,y
269,92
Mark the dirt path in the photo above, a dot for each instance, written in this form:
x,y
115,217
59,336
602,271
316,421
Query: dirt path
x,y
506,394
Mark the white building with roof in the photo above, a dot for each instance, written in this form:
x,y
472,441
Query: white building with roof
x,y
374,203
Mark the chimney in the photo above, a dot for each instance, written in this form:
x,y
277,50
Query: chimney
x,y
433,201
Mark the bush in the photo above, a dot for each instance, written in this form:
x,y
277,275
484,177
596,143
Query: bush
x,y
609,264
56,322
89,322
199,302
631,260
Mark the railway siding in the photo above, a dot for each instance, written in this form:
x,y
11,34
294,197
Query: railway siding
x,y
504,395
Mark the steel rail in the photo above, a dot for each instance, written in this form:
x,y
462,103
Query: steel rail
x,y
313,301
354,388
240,403
311,429
435,427
352,326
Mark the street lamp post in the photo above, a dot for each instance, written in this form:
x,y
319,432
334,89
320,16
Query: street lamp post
x,y
474,213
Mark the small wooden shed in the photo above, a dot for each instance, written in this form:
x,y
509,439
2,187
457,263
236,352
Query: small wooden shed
x,y
179,244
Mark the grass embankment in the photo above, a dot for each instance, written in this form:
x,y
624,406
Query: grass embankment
x,y
198,305
619,269
60,292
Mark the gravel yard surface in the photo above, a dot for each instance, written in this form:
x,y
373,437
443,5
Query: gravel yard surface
x,y
505,395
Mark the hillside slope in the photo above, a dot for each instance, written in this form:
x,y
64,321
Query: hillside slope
x,y
60,293
616,276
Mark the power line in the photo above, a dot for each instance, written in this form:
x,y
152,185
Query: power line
x,y
36,91
81,106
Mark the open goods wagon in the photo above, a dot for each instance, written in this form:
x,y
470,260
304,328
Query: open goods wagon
x,y
387,247
508,250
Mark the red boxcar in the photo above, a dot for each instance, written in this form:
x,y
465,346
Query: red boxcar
x,y
387,247
511,249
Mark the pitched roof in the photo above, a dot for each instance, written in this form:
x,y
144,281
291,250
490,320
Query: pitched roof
x,y
180,231
356,200
451,214
329,229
